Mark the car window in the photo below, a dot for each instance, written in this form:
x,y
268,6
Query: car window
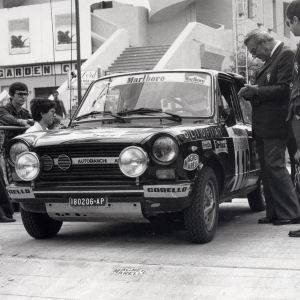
x,y
228,93
184,94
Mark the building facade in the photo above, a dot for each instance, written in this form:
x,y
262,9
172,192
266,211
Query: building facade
x,y
39,37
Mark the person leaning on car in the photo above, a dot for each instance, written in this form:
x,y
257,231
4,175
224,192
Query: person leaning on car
x,y
269,97
13,114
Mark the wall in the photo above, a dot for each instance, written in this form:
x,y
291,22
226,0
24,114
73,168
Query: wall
x,y
41,38
214,11
165,33
133,19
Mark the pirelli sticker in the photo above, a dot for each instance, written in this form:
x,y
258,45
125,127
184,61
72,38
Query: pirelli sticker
x,y
166,191
20,193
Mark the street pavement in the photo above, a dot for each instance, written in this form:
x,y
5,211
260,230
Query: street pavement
x,y
129,261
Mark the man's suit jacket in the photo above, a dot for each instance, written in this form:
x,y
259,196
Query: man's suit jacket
x,y
270,107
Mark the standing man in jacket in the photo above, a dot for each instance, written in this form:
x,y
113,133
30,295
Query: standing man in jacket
x,y
269,96
293,22
60,108
13,114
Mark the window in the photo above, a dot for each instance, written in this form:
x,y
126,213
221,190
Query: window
x,y
274,16
44,92
286,28
228,98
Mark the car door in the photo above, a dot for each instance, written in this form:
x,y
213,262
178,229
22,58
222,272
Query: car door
x,y
242,167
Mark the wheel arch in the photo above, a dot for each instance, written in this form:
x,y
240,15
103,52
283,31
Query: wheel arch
x,y
214,162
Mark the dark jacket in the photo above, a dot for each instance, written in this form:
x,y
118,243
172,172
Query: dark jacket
x,y
9,116
270,107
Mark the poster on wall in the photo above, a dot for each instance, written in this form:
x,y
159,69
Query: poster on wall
x,y
65,28
19,39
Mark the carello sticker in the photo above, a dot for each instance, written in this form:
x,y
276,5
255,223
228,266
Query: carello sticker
x,y
206,145
20,193
166,191
191,162
221,146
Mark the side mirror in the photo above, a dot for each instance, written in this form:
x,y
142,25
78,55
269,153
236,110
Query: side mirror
x,y
229,117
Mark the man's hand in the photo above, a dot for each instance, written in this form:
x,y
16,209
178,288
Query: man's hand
x,y
297,157
248,91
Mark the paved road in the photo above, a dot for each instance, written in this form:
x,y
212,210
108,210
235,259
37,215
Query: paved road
x,y
140,261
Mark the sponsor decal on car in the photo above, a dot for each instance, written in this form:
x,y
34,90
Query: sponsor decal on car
x,y
191,162
166,191
221,146
145,78
20,193
199,134
241,158
94,160
206,145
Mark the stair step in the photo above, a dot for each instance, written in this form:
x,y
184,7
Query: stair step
x,y
165,47
137,63
150,52
138,59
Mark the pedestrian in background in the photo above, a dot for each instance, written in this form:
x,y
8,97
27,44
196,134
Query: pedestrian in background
x,y
60,108
269,97
6,208
13,114
43,113
293,22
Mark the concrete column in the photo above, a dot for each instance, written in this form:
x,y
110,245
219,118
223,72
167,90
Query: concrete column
x,y
1,4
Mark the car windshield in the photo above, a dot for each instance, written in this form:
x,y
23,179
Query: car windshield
x,y
180,93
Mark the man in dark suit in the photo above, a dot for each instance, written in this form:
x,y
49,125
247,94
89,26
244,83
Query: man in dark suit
x,y
269,96
293,22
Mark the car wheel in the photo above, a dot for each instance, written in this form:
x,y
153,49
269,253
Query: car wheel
x,y
256,199
40,225
201,217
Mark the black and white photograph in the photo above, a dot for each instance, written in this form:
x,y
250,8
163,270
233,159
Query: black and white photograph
x,y
150,149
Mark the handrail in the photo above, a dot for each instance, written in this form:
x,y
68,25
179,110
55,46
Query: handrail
x,y
13,128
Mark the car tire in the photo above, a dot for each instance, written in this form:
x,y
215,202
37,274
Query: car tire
x,y
40,225
256,199
201,217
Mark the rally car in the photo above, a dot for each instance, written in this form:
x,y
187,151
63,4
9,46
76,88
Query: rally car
x,y
141,146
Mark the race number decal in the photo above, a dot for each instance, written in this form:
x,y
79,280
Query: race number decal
x,y
242,162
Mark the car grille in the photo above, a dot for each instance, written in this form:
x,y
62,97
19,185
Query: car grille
x,y
89,172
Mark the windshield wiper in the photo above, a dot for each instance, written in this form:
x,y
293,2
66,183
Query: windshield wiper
x,y
115,116
144,110
89,114
101,113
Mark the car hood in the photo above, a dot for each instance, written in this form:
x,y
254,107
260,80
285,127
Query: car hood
x,y
115,135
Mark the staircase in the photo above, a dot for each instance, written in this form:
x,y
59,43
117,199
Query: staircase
x,y
138,59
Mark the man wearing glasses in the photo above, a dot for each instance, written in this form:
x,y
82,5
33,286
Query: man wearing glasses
x,y
269,97
13,114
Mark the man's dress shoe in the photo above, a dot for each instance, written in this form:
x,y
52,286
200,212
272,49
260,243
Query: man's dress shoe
x,y
4,219
284,222
266,220
294,233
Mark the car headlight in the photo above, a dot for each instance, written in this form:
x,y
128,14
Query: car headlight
x,y
133,161
27,166
16,149
165,150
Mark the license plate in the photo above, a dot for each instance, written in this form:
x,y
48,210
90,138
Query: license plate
x,y
88,201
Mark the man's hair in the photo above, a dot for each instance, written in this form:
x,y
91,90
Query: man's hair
x,y
258,36
39,106
17,86
55,92
293,10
